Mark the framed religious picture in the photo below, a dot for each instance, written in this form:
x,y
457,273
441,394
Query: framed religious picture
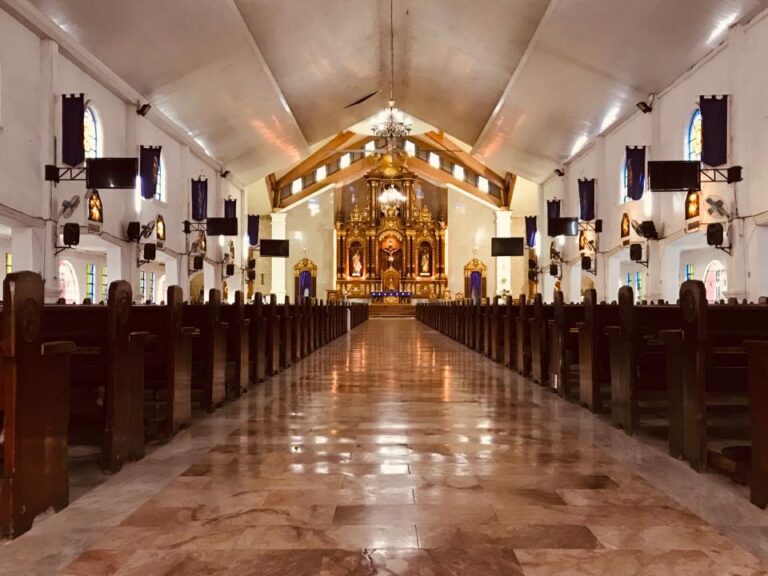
x,y
692,211
95,212
625,229
160,231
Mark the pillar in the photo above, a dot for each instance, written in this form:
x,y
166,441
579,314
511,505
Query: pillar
x,y
503,263
279,232
43,241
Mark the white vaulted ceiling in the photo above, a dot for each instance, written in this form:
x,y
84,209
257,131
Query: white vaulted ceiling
x,y
258,82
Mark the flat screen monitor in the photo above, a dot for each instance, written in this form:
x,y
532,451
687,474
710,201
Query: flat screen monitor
x,y
507,247
674,175
274,248
221,226
114,173
564,227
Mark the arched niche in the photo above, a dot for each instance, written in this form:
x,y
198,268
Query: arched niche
x,y
305,280
475,280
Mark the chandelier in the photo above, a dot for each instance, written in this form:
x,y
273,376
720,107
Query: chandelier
x,y
391,123
391,196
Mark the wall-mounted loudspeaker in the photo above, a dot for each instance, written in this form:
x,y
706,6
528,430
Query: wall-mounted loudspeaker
x,y
229,270
197,263
598,226
252,264
150,252
553,269
532,276
251,275
635,252
134,231
71,234
586,263
715,235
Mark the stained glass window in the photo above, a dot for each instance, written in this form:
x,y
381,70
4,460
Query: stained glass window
x,y
91,133
143,286
151,288
638,286
90,281
693,139
624,181
716,281
8,262
69,289
104,284
689,272
160,192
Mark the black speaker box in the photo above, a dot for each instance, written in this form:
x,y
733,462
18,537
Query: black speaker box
x,y
635,252
715,235
251,275
150,251
197,263
531,263
252,264
71,234
553,269
598,226
230,270
586,263
134,231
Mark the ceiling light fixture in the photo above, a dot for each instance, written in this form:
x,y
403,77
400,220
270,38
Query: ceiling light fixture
x,y
391,123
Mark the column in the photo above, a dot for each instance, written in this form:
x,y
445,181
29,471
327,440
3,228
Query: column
x,y
41,243
279,232
503,264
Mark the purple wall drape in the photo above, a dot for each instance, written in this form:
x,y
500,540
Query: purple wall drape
x,y
230,208
553,211
253,229
587,199
305,286
714,130
72,130
149,170
475,286
530,231
199,199
635,159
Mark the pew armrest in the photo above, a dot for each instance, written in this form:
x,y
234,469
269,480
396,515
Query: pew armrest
x,y
190,331
669,336
224,325
613,331
136,336
57,347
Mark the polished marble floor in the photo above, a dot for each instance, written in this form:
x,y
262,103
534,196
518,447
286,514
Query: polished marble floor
x,y
396,451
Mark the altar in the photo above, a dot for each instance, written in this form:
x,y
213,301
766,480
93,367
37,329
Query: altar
x,y
390,246
389,297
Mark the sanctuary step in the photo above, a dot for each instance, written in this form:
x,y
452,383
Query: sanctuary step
x,y
392,311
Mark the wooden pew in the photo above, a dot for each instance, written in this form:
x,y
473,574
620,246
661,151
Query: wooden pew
x,y
272,341
638,361
709,383
167,365
478,319
511,313
564,351
106,375
540,339
757,353
258,339
238,346
209,351
297,329
497,332
285,333
34,408
523,337
594,354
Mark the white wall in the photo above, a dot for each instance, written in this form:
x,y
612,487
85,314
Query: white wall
x,y
34,76
735,69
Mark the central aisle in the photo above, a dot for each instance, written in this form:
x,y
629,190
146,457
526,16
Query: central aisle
x,y
397,451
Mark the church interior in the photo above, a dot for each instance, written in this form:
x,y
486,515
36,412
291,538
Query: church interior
x,y
402,287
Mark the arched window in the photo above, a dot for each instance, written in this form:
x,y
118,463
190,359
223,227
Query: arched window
x,y
91,133
69,287
624,197
693,141
160,192
161,289
715,281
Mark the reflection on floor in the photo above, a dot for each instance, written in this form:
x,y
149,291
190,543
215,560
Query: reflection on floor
x,y
397,451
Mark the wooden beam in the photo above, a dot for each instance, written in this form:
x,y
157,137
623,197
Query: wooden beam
x,y
358,169
274,191
450,147
313,160
509,188
419,166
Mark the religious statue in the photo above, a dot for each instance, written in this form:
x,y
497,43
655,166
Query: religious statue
x,y
425,263
357,264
